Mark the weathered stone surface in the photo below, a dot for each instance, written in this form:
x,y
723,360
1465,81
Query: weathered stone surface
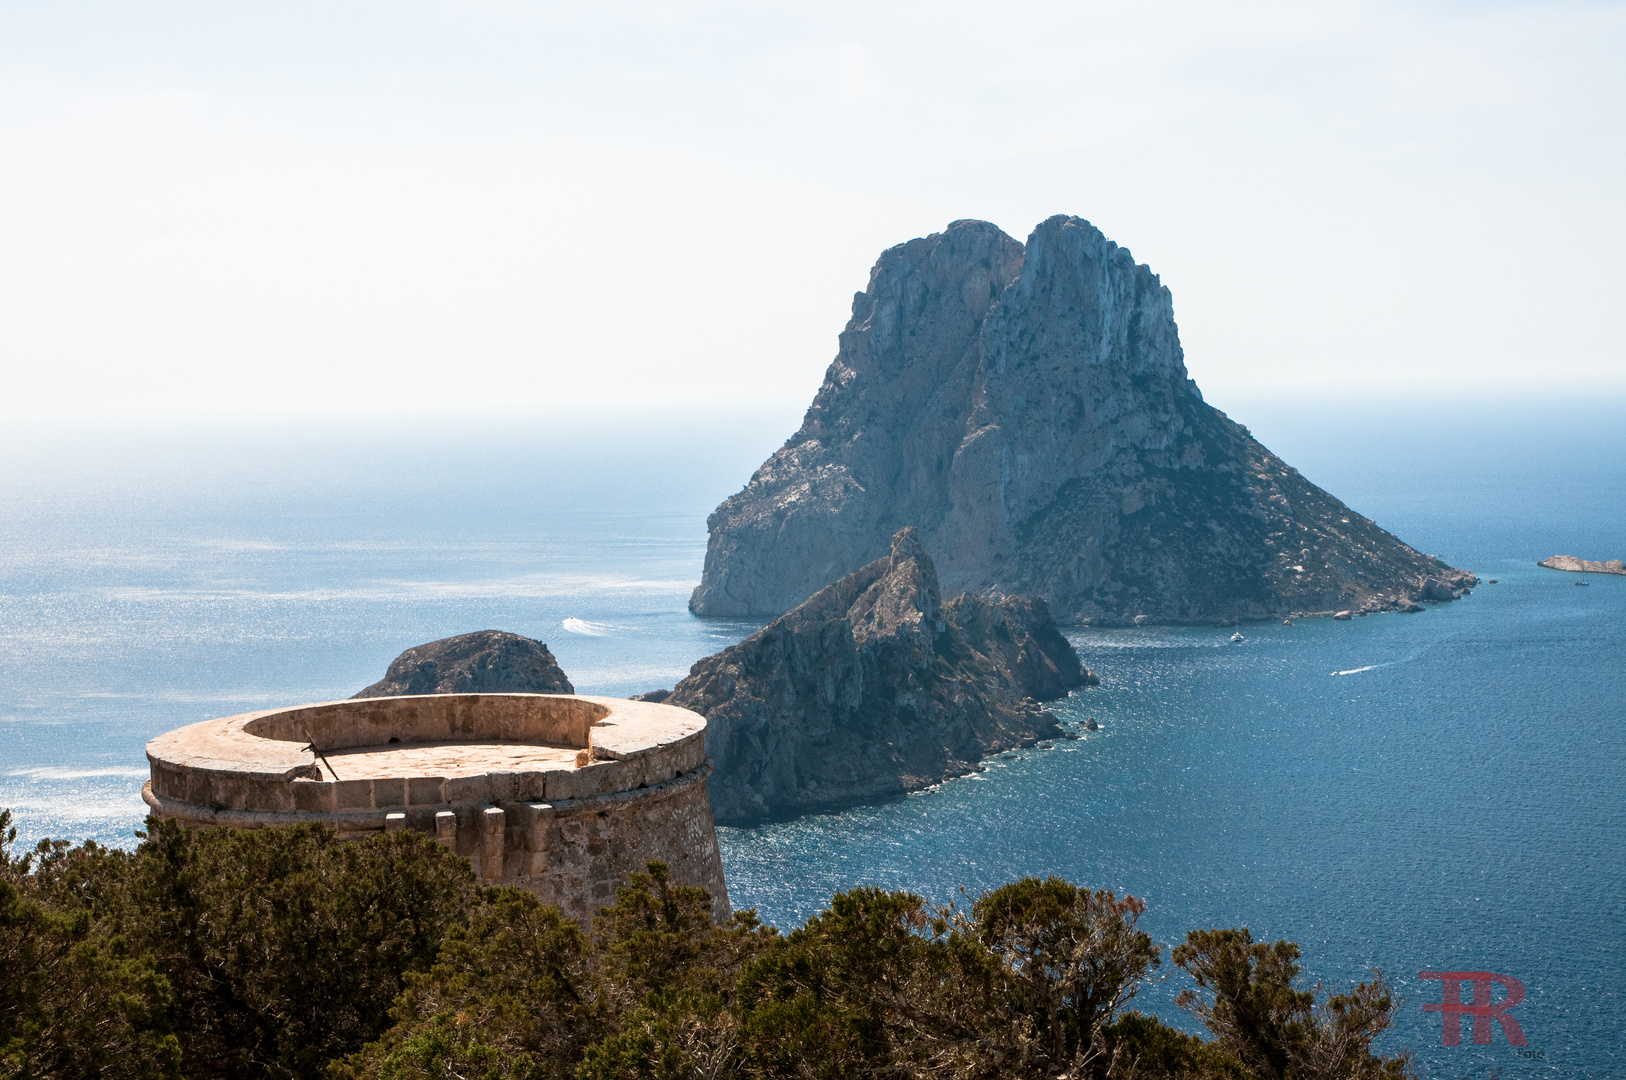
x,y
874,687
624,782
1029,410
1583,566
484,662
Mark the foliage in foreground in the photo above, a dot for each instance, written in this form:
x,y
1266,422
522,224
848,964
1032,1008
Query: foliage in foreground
x,y
261,952
287,953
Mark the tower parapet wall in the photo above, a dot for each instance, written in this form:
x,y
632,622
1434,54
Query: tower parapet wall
x,y
563,795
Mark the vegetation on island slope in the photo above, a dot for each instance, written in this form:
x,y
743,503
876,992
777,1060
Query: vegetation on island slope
x,y
288,953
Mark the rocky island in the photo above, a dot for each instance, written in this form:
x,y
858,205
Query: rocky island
x,y
484,662
1028,408
1583,566
875,687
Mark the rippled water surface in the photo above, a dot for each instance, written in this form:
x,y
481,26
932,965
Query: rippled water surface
x,y
1438,791
1395,792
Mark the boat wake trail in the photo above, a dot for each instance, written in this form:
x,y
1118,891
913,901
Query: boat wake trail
x,y
591,629
1408,658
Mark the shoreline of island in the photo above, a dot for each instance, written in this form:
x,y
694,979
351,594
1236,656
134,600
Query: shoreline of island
x,y
1570,564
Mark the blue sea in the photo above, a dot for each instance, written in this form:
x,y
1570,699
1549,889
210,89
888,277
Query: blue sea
x,y
1441,791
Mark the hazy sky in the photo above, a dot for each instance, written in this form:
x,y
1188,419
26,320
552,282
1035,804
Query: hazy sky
x,y
344,207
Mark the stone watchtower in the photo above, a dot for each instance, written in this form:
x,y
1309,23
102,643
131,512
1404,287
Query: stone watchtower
x,y
560,794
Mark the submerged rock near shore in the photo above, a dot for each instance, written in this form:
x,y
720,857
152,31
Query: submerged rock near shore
x,y
875,687
1583,566
484,662
1028,408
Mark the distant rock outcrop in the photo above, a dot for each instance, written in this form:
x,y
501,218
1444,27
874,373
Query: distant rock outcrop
x,y
1028,408
484,662
874,687
1583,566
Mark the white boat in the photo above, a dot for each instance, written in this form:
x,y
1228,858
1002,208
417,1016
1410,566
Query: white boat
x,y
1237,638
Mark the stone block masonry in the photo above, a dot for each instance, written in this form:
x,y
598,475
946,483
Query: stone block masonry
x,y
560,794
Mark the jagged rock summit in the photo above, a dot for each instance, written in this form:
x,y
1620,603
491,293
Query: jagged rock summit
x,y
874,687
1028,408
484,662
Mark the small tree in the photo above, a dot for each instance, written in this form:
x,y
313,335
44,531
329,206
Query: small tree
x,y
1075,956
74,1003
511,996
660,936
284,947
670,974
1248,998
865,987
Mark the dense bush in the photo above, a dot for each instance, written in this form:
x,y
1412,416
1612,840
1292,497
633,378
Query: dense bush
x,y
74,1002
1248,998
287,953
269,951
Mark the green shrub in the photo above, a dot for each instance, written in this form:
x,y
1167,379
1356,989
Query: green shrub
x,y
1249,998
511,995
288,953
280,948
74,1003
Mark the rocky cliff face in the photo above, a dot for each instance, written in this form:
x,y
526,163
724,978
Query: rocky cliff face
x,y
485,662
1028,408
874,687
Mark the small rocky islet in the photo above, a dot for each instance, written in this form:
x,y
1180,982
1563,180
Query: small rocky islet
x,y
1584,566
484,662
